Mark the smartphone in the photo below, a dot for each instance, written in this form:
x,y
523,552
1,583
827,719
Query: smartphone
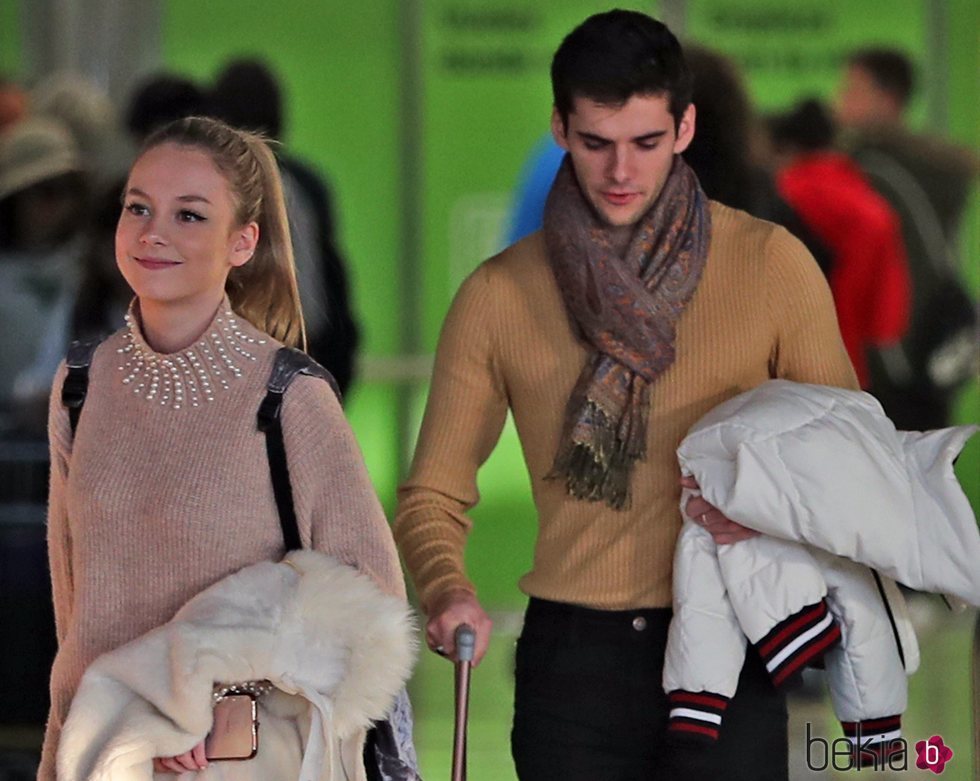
x,y
235,731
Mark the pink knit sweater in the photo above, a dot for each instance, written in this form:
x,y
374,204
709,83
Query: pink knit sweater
x,y
150,503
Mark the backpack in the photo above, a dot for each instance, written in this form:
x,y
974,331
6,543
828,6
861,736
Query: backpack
x,y
389,754
917,380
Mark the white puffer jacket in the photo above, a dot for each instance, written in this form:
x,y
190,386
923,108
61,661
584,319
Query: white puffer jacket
x,y
846,504
336,648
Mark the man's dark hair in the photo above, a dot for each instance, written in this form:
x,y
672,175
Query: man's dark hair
x,y
890,70
246,95
615,55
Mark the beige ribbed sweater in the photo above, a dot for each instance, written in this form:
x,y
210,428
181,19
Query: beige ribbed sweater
x,y
761,310
150,504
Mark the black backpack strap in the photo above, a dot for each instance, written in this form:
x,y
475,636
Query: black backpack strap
x,y
289,362
75,386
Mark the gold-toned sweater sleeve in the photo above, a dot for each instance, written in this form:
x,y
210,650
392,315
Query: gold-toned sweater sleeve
x,y
809,347
465,413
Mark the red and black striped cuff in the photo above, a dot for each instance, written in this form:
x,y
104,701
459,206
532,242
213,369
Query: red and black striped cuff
x,y
696,716
874,741
797,641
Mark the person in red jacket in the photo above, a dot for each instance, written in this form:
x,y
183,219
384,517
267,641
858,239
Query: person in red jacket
x,y
869,274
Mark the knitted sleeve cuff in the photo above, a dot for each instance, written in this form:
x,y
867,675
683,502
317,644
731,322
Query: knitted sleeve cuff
x,y
695,717
798,640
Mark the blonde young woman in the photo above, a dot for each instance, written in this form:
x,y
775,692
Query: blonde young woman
x,y
163,491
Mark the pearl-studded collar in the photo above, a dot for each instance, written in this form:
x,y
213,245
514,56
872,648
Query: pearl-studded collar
x,y
191,376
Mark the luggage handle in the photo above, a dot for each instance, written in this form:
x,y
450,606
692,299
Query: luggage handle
x,y
465,643
465,650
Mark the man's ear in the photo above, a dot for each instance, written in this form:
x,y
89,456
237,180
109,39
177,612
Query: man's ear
x,y
243,248
558,130
685,130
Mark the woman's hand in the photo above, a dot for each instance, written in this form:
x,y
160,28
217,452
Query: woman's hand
x,y
190,760
723,530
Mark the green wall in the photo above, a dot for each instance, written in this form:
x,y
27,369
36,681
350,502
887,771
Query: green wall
x,y
10,46
963,36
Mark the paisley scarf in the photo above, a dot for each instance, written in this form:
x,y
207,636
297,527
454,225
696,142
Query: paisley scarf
x,y
626,309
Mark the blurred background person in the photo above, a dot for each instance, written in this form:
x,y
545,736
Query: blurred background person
x,y
43,196
724,152
91,118
928,182
868,273
96,304
247,95
158,100
533,185
876,88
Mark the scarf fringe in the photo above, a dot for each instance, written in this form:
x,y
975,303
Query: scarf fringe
x,y
598,469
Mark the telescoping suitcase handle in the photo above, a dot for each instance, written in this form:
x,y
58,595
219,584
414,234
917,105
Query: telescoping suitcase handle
x,y
465,650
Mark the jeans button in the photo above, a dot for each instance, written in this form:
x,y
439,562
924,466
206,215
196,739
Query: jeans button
x,y
639,623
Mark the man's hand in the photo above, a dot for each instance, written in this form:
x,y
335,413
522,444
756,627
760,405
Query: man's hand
x,y
191,760
723,530
448,612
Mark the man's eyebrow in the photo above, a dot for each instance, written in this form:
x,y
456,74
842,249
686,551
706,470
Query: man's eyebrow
x,y
651,136
645,138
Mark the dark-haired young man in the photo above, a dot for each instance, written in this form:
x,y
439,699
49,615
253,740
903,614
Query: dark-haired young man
x,y
639,307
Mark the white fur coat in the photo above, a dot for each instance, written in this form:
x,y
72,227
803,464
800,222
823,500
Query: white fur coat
x,y
337,649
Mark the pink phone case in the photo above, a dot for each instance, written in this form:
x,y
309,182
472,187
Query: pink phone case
x,y
235,732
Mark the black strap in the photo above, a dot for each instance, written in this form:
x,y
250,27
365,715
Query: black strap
x,y
289,362
75,386
891,616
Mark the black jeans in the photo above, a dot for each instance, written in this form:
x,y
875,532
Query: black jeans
x,y
590,706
